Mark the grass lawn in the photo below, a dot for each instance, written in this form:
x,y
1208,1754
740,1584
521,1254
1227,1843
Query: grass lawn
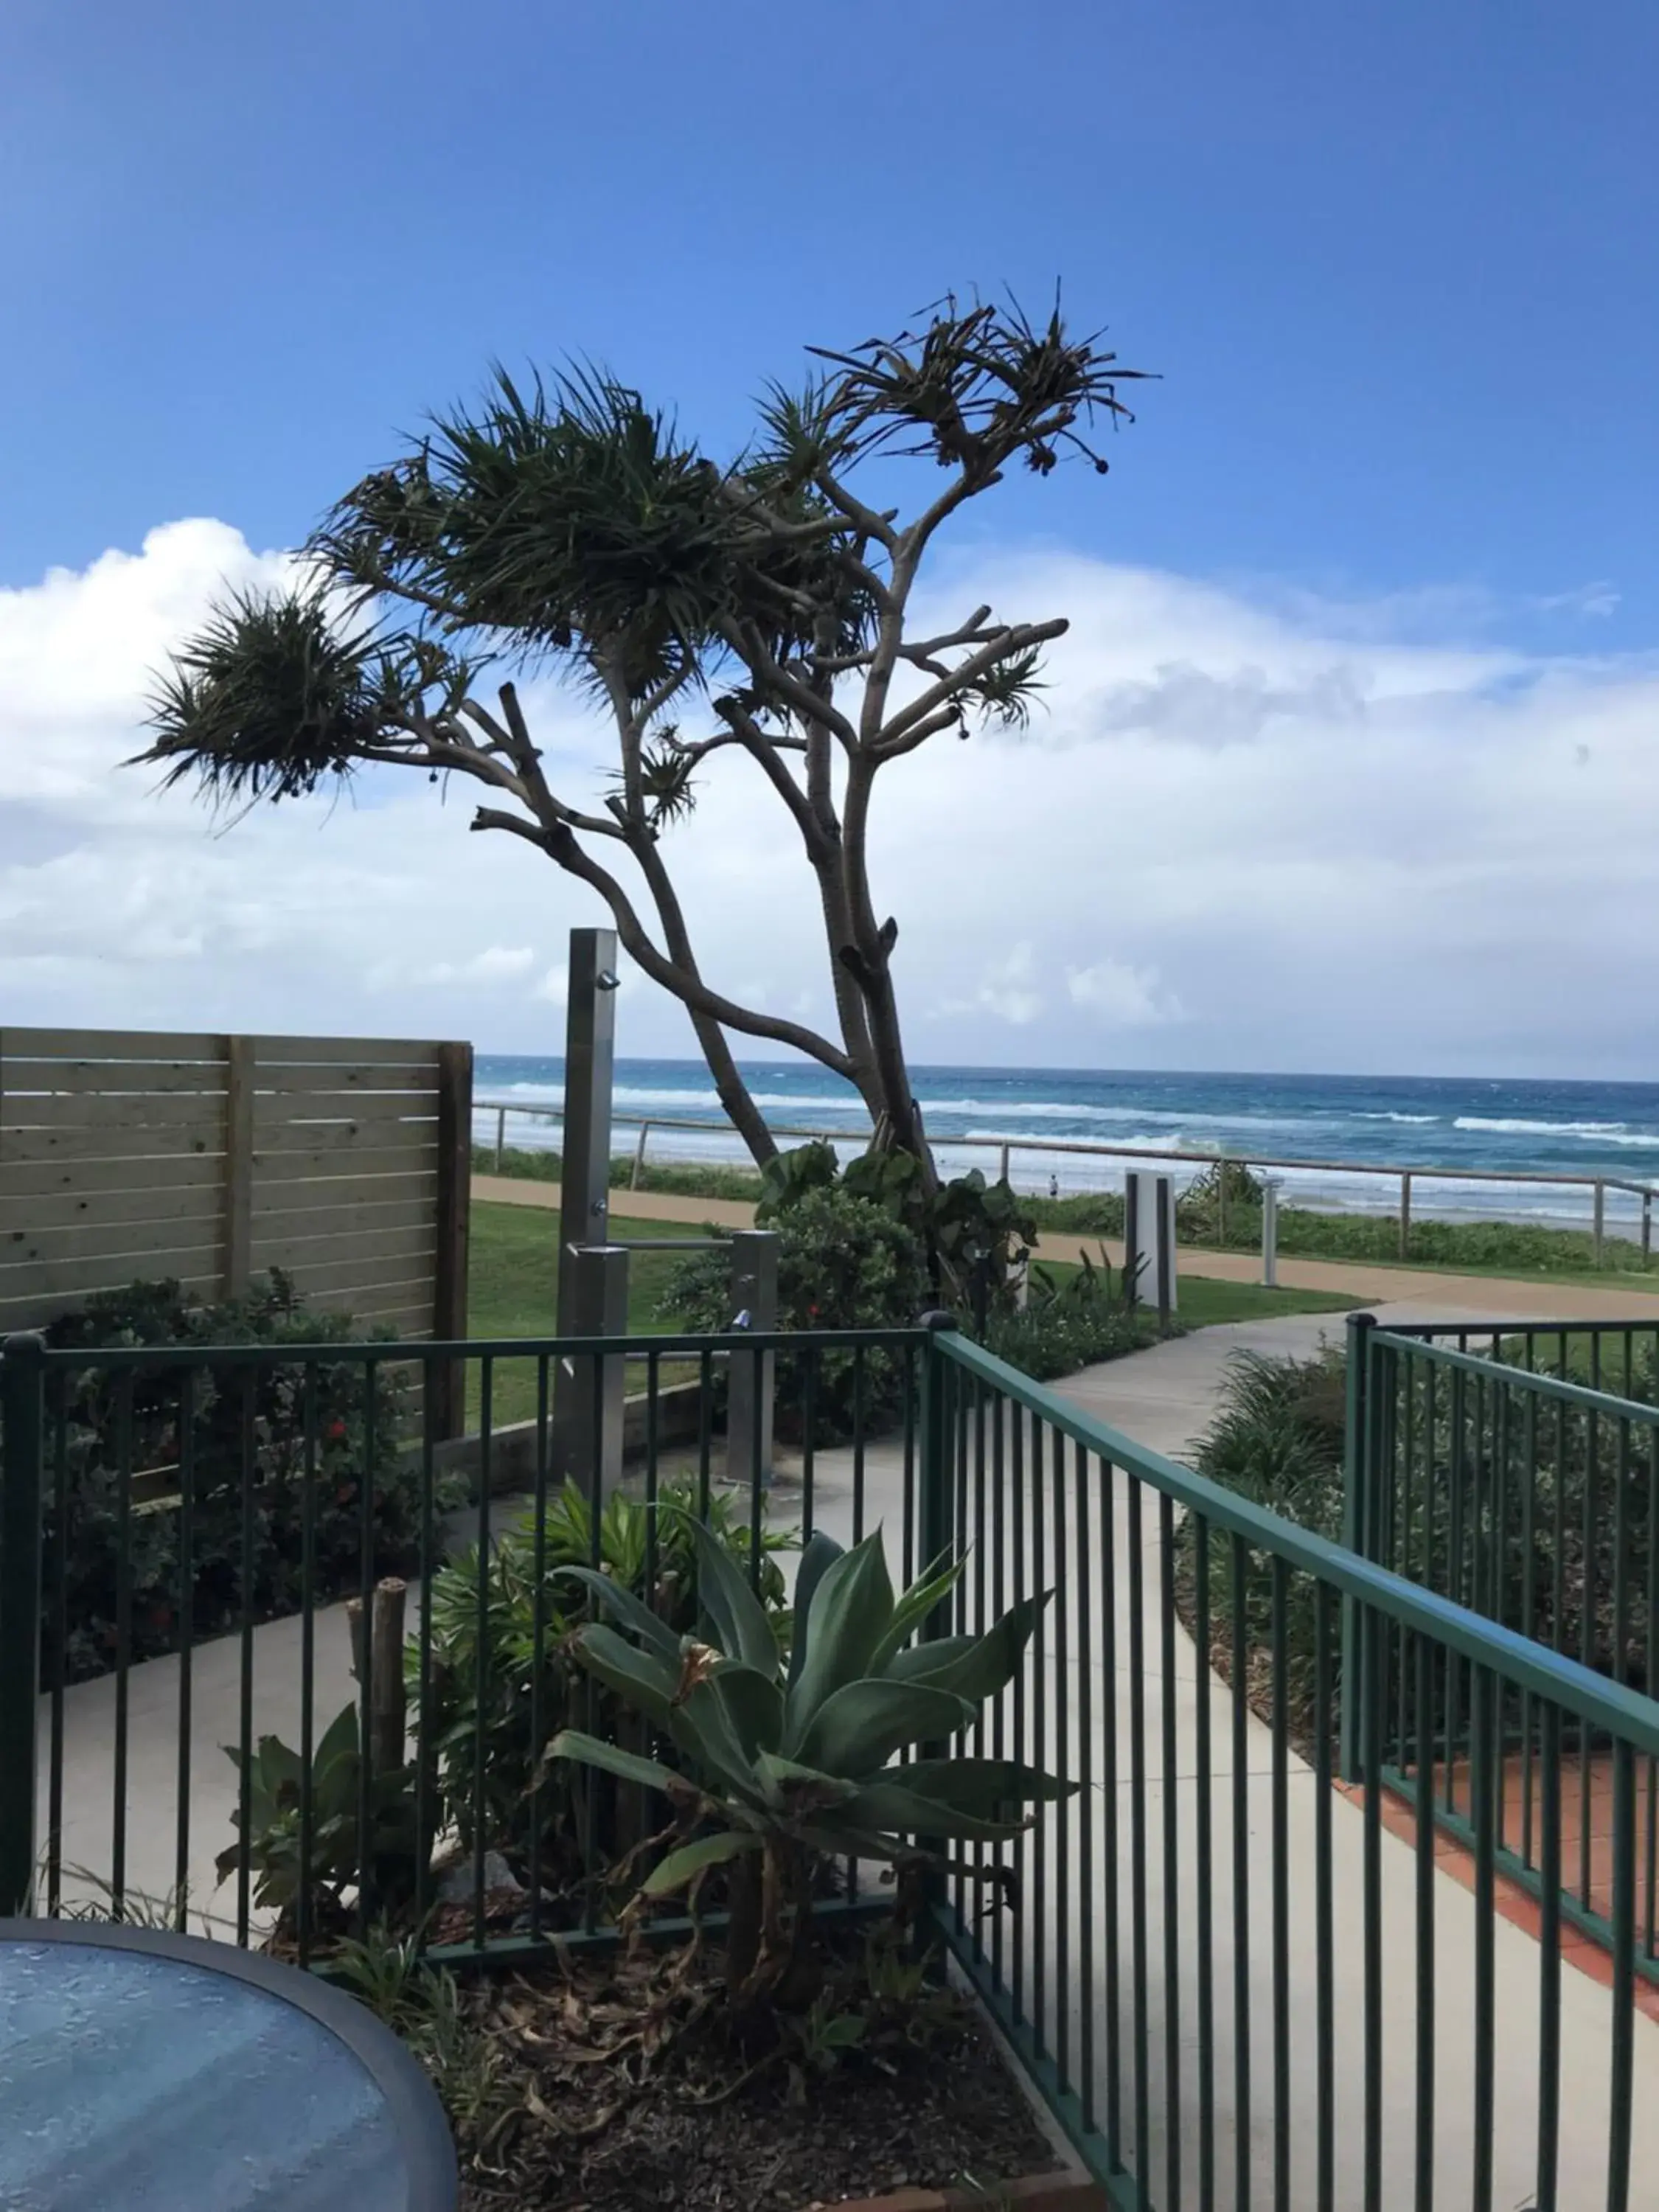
x,y
513,1276
515,1270
1205,1304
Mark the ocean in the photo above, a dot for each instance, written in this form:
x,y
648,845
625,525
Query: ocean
x,y
1471,1126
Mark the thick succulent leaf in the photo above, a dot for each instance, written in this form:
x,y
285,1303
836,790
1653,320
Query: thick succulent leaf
x,y
743,1627
918,1661
987,1787
681,1868
851,1611
914,1606
858,1727
753,1705
701,1724
889,1807
611,1759
990,1662
789,1785
821,1553
639,1678
628,1611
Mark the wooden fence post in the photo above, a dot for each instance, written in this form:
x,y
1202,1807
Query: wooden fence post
x,y
238,1164
454,1209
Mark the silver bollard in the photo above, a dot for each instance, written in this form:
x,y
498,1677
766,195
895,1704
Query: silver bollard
x,y
587,1401
751,1379
1270,1189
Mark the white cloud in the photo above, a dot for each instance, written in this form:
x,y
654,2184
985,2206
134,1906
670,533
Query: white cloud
x,y
497,963
1305,836
1007,990
1121,996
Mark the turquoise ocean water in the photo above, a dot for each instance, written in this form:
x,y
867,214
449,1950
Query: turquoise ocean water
x,y
1471,1126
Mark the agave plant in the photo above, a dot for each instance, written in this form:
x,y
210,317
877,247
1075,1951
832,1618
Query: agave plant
x,y
786,1761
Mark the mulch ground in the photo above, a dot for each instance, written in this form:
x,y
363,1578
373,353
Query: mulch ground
x,y
612,2088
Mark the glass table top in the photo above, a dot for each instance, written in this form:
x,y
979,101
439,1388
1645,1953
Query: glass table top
x,y
130,2082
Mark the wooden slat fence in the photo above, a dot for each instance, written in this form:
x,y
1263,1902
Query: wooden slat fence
x,y
127,1155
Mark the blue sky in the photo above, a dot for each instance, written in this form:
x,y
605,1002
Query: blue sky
x,y
1395,263
1364,675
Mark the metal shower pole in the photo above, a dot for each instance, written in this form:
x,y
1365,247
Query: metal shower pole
x,y
590,1043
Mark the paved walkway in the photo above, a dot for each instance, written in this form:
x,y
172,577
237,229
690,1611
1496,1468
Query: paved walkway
x,y
1520,1299
1161,1398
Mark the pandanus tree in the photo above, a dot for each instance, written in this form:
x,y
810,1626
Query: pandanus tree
x,y
759,610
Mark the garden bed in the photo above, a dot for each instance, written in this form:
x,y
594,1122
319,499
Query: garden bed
x,y
613,2087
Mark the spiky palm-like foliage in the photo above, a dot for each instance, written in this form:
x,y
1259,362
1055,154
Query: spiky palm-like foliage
x,y
565,522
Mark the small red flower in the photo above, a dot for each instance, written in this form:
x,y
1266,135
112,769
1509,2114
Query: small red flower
x,y
336,1432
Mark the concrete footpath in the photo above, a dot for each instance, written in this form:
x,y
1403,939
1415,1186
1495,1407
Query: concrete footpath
x,y
1122,1899
1489,1297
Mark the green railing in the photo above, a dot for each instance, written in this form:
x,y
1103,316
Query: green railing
x,y
1232,1982
1509,1469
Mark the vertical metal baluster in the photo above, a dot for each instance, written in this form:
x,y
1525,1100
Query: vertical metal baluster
x,y
857,1443
1324,1910
1549,1958
758,1471
1458,1394
1426,1878
1085,1791
1039,1755
1238,1600
1204,1852
652,1447
706,1433
1109,1768
1483,1786
975,1617
590,1688
124,1396
1586,1625
808,1449
182,1621
1171,1843
245,1380
1623,1940
538,1627
1372,1910
998,1600
59,1408
910,1563
308,1456
366,1901
1061,1829
1650,1687
1528,1540
481,1634
425,1721
1135,1539
1017,1515
1281,1890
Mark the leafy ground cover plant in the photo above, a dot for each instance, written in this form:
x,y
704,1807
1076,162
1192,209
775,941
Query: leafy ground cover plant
x,y
140,1421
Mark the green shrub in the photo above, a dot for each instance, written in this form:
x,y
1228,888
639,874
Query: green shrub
x,y
1067,1323
844,1262
137,1414
1201,1211
1278,1441
1092,1213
